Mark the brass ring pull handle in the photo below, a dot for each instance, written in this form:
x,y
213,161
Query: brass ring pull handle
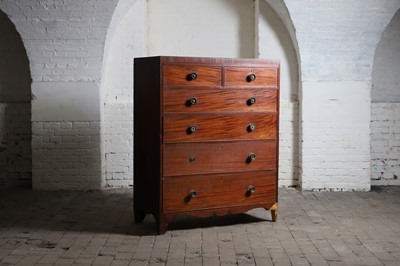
x,y
251,157
192,194
191,129
191,101
251,77
251,127
191,76
251,101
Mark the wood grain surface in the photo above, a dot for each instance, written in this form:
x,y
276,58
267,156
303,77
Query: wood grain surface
x,y
206,76
221,190
218,157
212,127
237,76
227,100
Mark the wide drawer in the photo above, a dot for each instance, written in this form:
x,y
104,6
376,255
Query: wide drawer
x,y
215,191
192,75
212,127
248,100
218,157
241,76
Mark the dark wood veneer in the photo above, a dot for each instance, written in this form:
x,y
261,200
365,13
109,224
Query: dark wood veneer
x,y
221,190
217,126
220,166
208,157
226,100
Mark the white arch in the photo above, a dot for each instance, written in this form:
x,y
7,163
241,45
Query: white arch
x,y
385,107
124,8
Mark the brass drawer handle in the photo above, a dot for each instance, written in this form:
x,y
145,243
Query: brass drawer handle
x,y
251,101
251,157
251,127
191,76
251,189
192,194
251,77
191,101
191,129
192,159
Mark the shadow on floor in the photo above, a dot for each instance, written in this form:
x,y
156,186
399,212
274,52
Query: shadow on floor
x,y
109,211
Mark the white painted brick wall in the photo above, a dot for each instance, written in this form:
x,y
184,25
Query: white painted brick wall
x,y
127,41
335,141
337,41
64,39
65,43
385,143
274,42
66,155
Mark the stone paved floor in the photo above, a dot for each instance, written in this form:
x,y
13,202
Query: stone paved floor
x,y
95,228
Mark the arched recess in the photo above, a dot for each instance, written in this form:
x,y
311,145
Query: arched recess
x,y
126,39
385,107
153,27
277,41
15,108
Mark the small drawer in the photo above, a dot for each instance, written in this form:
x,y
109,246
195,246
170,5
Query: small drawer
x,y
219,157
192,75
190,193
244,77
213,127
232,100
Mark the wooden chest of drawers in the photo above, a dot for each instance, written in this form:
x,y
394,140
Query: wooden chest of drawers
x,y
205,137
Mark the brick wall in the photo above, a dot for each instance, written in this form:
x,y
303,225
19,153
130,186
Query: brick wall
x,y
385,143
125,41
70,44
64,41
274,42
66,155
336,41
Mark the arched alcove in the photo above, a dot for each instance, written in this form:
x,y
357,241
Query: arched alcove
x,y
145,28
126,40
15,108
275,42
385,107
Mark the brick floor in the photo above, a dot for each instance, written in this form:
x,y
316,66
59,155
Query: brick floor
x,y
95,228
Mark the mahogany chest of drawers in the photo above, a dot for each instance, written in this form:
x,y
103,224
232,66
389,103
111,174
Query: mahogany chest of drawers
x,y
205,137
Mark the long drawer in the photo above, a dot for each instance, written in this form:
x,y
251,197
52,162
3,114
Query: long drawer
x,y
213,127
189,193
232,100
218,157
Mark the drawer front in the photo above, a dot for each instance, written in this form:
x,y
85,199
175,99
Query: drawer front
x,y
219,157
212,191
212,127
249,100
182,75
240,76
